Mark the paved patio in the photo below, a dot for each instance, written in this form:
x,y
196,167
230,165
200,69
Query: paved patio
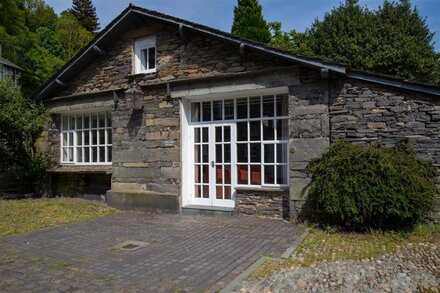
x,y
184,253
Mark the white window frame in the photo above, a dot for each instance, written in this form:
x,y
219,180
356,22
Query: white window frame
x,y
262,142
72,133
140,45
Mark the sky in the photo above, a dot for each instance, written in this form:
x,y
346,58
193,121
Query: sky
x,y
293,14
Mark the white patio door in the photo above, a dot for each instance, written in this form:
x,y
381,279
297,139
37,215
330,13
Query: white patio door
x,y
213,158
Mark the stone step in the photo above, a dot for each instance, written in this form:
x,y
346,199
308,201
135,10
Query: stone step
x,y
208,211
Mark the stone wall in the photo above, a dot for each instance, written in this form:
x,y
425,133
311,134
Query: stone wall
x,y
271,203
365,113
146,144
176,59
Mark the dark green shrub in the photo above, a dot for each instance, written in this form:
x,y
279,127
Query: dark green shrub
x,y
358,187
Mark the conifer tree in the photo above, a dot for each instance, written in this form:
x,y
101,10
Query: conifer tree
x,y
85,12
249,21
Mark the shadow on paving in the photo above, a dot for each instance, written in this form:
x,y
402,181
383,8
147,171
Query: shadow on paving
x,y
188,253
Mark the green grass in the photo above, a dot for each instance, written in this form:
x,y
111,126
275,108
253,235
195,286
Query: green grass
x,y
323,246
20,216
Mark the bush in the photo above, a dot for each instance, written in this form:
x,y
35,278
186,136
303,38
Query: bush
x,y
359,188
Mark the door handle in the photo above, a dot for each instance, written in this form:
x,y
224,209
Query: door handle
x,y
212,164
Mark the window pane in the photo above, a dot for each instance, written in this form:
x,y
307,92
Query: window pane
x,y
79,139
255,174
205,189
64,135
94,120
94,154
197,191
206,111
227,174
65,122
242,152
72,122
227,133
268,129
109,154
102,154
217,109
79,155
101,136
282,174
65,157
205,134
227,153
79,122
87,137
70,139
269,175
242,131
109,136
205,154
282,105
197,173
87,155
255,130
282,129
242,174
197,154
227,192
255,152
218,153
282,153
94,137
242,108
229,109
218,134
152,58
219,192
197,135
268,106
144,61
70,154
255,107
219,174
269,153
205,173
195,112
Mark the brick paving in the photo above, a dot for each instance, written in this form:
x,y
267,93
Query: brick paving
x,y
184,254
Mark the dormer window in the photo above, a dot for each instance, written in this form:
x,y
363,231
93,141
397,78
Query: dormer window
x,y
145,55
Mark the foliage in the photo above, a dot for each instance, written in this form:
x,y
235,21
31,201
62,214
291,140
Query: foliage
x,y
249,21
20,216
35,38
71,34
85,12
21,123
394,39
358,187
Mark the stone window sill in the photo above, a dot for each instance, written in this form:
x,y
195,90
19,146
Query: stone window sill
x,y
265,189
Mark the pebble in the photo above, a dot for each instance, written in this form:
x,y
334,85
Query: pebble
x,y
409,269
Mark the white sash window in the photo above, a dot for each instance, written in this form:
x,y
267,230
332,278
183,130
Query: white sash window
x,y
145,55
86,138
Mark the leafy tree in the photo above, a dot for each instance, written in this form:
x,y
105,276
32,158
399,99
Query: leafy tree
x,y
85,12
293,40
21,122
38,14
71,34
249,21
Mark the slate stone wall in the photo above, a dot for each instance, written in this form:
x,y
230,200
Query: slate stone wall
x,y
146,144
176,59
274,204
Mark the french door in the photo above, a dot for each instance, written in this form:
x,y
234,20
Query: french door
x,y
213,157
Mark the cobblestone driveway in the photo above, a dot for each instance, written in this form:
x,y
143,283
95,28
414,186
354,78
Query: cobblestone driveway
x,y
185,253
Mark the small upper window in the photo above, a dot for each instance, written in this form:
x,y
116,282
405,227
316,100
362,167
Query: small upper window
x,y
145,55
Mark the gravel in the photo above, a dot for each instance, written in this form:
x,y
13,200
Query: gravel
x,y
410,269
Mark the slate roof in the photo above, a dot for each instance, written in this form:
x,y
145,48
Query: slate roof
x,y
110,32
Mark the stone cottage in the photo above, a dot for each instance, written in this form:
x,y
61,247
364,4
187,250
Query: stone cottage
x,y
161,113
